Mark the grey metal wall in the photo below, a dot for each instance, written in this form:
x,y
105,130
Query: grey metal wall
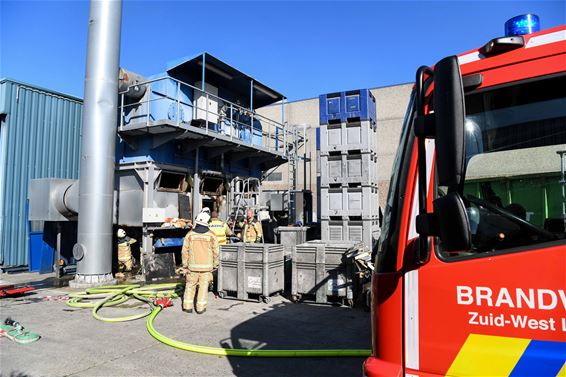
x,y
40,132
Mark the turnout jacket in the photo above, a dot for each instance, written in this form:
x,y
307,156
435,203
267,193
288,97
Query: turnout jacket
x,y
200,251
252,232
221,229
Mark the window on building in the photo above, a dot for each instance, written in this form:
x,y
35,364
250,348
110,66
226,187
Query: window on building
x,y
275,176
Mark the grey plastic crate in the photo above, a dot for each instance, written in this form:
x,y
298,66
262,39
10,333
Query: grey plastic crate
x,y
361,135
348,168
362,202
365,231
289,236
321,272
251,269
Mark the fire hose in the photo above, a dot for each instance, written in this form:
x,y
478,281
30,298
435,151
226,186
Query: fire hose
x,y
158,297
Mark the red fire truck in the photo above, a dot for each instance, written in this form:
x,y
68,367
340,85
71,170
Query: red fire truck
x,y
470,275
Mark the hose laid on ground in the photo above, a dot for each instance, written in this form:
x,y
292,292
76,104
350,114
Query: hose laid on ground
x,y
118,294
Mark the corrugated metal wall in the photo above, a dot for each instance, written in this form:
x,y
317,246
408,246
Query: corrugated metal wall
x,y
40,139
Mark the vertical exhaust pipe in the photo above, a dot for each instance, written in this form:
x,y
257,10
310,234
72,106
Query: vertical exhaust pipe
x,y
93,249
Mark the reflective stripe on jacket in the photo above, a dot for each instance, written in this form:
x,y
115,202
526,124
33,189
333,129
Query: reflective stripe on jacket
x,y
200,251
221,230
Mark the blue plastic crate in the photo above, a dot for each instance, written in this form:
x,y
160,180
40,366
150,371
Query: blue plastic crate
x,y
347,106
169,242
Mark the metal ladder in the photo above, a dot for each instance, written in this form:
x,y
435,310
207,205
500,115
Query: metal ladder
x,y
297,141
238,198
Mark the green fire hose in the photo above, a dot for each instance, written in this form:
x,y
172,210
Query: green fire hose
x,y
157,297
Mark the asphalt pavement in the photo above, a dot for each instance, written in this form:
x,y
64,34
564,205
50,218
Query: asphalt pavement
x,y
73,343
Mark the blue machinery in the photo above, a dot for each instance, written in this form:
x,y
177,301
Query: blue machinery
x,y
184,137
184,134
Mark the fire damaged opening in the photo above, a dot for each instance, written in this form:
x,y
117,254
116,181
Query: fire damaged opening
x,y
172,182
213,190
211,185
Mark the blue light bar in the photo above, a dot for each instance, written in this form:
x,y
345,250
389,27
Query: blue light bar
x,y
521,25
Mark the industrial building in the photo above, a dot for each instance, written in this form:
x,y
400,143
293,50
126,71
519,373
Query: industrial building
x,y
391,104
39,137
184,120
187,138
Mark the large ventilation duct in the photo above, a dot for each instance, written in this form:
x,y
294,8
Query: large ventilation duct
x,y
129,84
93,250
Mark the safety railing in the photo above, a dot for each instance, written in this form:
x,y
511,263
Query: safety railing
x,y
174,101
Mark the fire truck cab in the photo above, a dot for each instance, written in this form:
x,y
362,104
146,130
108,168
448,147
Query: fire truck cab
x,y
470,275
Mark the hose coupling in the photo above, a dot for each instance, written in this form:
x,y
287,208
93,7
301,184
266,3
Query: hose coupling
x,y
164,302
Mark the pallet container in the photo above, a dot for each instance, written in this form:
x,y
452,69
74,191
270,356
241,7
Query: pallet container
x,y
345,136
346,202
365,231
290,236
248,269
344,106
320,272
348,168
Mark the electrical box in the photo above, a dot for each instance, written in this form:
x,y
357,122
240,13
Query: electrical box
x,y
153,215
206,107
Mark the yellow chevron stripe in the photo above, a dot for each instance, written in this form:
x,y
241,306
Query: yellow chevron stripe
x,y
562,372
485,355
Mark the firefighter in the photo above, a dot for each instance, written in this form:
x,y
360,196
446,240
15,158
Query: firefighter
x,y
220,228
267,226
200,258
252,229
125,258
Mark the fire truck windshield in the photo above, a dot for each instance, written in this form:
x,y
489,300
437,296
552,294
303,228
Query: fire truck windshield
x,y
514,136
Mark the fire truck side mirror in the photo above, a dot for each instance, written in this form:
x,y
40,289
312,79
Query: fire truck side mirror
x,y
450,215
449,114
452,222
449,221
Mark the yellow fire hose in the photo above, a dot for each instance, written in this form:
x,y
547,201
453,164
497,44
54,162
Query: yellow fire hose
x,y
118,294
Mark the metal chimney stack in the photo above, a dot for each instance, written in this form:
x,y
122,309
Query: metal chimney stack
x,y
93,250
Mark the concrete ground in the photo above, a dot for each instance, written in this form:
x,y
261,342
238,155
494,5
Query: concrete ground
x,y
75,344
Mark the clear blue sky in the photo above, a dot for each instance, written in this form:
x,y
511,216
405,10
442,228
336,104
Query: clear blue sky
x,y
301,49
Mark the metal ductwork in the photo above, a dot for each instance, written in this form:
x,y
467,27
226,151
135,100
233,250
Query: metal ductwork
x,y
129,84
94,237
66,199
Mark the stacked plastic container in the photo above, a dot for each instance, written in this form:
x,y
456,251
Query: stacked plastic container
x,y
349,197
251,270
322,272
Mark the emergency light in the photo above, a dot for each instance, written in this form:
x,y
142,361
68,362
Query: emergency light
x,y
521,25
